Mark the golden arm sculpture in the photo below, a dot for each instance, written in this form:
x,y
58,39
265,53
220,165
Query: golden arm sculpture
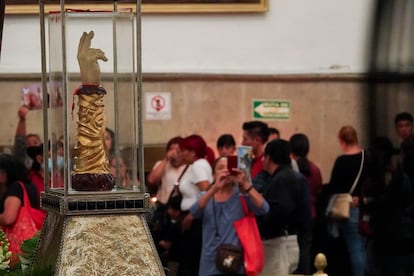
x,y
91,161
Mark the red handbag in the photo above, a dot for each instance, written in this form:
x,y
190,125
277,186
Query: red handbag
x,y
249,236
29,220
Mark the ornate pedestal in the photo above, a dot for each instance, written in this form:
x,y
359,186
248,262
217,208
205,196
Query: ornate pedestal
x,y
86,237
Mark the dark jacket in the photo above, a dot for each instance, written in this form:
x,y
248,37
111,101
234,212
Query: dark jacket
x,y
288,196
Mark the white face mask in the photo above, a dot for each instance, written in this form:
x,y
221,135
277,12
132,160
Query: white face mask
x,y
59,163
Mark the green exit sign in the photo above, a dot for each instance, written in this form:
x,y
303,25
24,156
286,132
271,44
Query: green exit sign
x,y
271,109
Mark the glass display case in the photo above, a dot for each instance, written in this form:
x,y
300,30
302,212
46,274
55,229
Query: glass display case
x,y
95,201
94,129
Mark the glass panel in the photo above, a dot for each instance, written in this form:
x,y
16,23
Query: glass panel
x,y
57,100
81,120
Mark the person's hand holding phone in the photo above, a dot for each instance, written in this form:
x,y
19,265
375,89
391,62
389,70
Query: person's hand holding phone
x,y
232,164
22,112
242,179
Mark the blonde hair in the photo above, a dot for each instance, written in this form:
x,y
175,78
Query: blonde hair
x,y
348,135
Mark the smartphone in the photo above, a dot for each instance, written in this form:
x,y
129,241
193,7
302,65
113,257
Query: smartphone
x,y
232,164
32,96
244,154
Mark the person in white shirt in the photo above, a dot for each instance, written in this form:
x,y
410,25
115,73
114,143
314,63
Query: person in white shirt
x,y
166,171
161,180
197,178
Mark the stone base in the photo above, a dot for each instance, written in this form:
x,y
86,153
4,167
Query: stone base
x,y
96,245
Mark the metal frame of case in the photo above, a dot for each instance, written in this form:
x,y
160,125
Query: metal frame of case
x,y
64,200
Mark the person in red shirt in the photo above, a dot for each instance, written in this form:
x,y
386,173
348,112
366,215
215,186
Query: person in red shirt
x,y
255,134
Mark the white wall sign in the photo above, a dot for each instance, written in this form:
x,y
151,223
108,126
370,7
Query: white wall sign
x,y
158,106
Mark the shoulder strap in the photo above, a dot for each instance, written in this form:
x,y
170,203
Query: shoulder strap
x,y
181,175
244,205
177,183
26,201
359,173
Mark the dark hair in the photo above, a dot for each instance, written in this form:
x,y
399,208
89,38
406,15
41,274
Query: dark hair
x,y
379,155
381,150
112,135
60,143
173,141
225,140
15,170
403,116
195,143
273,130
299,144
257,128
278,151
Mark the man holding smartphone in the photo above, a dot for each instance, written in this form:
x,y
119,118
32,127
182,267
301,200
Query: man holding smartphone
x,y
255,135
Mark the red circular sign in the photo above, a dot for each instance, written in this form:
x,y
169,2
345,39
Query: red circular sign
x,y
158,103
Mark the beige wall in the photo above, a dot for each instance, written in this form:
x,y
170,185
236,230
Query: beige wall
x,y
212,105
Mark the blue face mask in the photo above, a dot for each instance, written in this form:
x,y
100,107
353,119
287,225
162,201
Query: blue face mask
x,y
59,163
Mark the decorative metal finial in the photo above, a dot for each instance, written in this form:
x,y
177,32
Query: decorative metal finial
x,y
320,264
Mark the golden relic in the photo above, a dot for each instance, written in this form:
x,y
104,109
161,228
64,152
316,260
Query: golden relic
x,y
91,170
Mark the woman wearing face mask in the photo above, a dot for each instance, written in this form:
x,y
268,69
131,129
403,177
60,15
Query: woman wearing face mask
x,y
14,186
36,171
58,165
